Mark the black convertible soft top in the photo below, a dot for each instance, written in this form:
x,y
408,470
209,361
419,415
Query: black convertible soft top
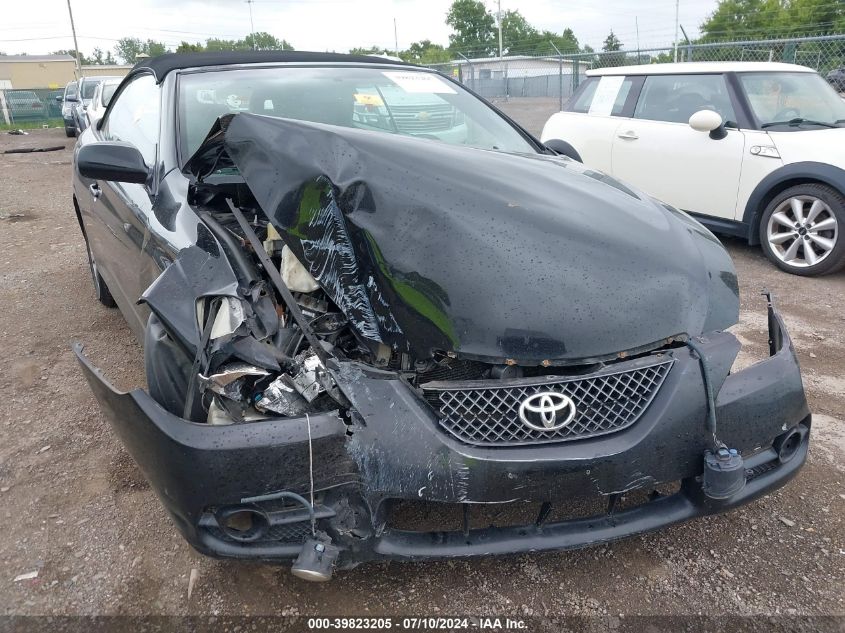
x,y
168,62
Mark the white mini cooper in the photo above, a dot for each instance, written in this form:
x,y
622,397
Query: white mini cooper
x,y
755,150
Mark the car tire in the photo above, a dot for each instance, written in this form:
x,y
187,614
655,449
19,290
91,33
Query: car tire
x,y
70,132
802,230
101,290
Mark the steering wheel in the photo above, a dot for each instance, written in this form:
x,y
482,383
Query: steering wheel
x,y
783,114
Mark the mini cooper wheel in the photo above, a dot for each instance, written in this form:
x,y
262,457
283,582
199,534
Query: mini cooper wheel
x,y
803,230
101,290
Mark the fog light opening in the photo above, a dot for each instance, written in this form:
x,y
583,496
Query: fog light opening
x,y
243,524
787,445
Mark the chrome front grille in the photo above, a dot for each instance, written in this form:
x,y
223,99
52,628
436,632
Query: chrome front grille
x,y
486,412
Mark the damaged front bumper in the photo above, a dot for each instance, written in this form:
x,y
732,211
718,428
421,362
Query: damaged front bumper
x,y
390,450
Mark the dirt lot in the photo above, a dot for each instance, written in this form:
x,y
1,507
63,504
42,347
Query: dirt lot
x,y
76,509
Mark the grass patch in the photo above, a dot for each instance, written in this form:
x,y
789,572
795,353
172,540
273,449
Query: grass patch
x,y
34,124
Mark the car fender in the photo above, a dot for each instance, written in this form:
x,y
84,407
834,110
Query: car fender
x,y
783,178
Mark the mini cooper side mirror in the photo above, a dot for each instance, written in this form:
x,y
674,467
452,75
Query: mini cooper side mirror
x,y
708,121
116,161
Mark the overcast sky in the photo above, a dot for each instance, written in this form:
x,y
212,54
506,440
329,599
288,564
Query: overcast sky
x,y
42,26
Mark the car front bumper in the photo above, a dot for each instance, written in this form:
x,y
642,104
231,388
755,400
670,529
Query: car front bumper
x,y
391,451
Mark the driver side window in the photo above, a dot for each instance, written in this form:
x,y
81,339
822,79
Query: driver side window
x,y
675,98
135,116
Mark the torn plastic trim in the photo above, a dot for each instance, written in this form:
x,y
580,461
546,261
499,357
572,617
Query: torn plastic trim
x,y
170,450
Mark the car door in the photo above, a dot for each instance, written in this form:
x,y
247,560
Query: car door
x,y
658,152
123,209
592,117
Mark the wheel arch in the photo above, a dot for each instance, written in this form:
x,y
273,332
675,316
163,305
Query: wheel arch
x,y
782,179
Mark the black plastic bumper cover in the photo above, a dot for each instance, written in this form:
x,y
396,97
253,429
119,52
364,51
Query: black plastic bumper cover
x,y
391,447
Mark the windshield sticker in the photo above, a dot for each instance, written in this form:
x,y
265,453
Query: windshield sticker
x,y
420,82
606,94
362,98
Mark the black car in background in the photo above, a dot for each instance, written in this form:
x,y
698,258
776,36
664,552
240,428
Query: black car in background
x,y
345,320
836,78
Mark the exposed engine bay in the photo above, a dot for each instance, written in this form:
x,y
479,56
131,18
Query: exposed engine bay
x,y
254,361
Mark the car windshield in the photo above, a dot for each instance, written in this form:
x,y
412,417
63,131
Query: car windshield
x,y
791,99
398,101
88,88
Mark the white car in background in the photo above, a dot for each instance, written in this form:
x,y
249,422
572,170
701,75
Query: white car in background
x,y
755,150
100,101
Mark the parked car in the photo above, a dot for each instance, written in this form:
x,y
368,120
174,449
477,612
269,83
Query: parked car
x,y
53,103
24,105
750,149
100,101
341,323
836,78
69,99
87,87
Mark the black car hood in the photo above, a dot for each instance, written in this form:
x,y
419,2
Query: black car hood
x,y
427,246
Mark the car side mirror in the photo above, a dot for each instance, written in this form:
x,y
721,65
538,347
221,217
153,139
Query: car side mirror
x,y
708,121
562,148
59,98
115,161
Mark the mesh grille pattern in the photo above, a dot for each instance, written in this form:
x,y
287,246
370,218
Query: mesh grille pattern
x,y
488,415
289,532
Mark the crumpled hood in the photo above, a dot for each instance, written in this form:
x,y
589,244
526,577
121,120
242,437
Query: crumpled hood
x,y
427,246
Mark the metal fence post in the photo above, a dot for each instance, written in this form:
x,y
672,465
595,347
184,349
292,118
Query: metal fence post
x,y
3,108
471,70
559,76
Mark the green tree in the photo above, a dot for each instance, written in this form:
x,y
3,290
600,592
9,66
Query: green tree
x,y
263,41
129,48
613,55
518,36
566,42
372,50
425,52
611,43
189,47
85,61
742,20
473,28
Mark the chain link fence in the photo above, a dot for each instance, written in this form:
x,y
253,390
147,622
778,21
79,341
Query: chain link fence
x,y
31,106
548,81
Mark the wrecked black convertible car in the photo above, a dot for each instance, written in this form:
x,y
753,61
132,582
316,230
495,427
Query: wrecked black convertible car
x,y
366,295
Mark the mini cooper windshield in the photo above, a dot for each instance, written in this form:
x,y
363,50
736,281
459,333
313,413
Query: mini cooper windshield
x,y
398,101
793,100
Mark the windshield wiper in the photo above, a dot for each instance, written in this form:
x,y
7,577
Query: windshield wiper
x,y
799,121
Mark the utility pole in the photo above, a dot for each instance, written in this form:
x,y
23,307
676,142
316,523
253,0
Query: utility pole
x,y
395,39
75,45
251,25
500,31
677,2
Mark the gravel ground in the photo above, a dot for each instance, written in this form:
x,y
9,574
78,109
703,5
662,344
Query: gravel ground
x,y
77,510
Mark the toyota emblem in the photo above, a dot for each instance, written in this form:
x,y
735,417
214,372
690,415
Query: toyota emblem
x,y
547,411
